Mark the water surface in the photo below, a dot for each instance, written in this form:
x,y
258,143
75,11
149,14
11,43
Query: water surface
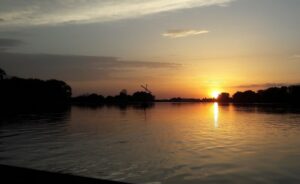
x,y
168,143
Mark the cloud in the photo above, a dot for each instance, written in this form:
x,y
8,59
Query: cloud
x,y
178,33
75,68
296,56
37,12
261,85
6,43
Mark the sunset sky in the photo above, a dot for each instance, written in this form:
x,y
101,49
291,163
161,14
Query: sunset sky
x,y
186,48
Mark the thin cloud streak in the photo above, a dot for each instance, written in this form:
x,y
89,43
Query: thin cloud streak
x,y
262,86
19,13
296,56
75,67
6,43
179,33
9,42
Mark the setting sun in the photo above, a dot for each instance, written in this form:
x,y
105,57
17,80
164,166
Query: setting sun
x,y
215,94
205,91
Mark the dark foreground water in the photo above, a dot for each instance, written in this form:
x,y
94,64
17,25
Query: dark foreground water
x,y
168,143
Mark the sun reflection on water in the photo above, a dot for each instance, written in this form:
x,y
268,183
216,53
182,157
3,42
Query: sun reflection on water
x,y
216,114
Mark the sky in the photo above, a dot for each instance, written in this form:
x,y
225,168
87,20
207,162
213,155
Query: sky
x,y
186,48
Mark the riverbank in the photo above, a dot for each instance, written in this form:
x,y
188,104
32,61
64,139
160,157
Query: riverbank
x,y
12,174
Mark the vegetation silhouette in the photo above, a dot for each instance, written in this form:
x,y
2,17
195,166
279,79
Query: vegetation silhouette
x,y
247,96
224,97
19,92
267,108
30,92
284,94
139,97
2,74
89,100
15,91
34,91
52,115
191,100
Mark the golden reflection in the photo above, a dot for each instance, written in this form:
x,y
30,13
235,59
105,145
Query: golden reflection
x,y
216,114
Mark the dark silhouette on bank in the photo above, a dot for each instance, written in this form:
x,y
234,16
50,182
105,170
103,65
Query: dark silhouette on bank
x,y
2,74
139,97
19,92
285,94
11,174
187,100
15,91
179,99
224,97
29,92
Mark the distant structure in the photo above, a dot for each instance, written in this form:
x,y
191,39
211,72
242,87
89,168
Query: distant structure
x,y
146,88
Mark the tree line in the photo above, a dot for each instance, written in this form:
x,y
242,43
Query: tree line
x,y
28,92
21,91
15,90
121,98
284,94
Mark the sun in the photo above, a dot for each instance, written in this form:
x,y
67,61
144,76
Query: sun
x,y
215,94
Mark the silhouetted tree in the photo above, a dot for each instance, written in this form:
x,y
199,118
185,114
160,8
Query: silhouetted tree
x,y
33,91
283,94
123,97
123,92
2,74
294,93
176,99
92,99
224,97
273,94
247,96
179,99
110,99
59,90
141,96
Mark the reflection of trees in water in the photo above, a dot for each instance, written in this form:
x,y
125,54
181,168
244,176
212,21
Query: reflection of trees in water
x,y
145,107
120,106
49,114
35,126
123,107
266,108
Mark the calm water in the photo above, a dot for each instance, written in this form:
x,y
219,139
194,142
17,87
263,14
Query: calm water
x,y
168,143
